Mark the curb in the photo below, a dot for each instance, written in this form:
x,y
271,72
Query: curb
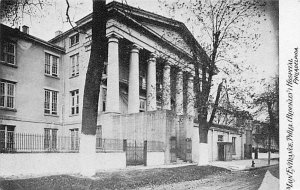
x,y
255,168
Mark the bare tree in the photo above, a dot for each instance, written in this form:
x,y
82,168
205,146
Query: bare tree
x,y
223,28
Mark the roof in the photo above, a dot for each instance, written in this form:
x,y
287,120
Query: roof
x,y
133,15
6,31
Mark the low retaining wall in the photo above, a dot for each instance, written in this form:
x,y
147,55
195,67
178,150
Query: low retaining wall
x,y
155,158
55,163
114,160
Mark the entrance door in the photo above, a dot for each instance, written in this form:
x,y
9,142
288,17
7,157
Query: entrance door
x,y
221,152
135,153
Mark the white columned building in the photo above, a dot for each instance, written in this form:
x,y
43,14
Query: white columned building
x,y
133,89
151,83
166,92
113,102
179,92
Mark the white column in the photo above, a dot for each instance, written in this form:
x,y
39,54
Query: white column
x,y
134,88
113,98
151,84
179,93
190,96
166,91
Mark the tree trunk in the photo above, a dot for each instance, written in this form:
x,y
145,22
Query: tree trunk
x,y
95,68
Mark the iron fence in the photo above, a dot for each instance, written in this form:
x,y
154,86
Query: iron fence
x,y
109,145
24,142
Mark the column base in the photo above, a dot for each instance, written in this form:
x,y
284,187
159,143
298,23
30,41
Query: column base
x,y
203,154
87,155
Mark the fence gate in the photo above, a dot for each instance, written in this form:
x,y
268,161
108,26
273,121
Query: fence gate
x,y
136,152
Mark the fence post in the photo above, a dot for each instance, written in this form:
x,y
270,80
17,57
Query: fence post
x,y
145,153
124,145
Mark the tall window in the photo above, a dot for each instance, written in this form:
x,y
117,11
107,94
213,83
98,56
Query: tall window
x,y
6,138
50,139
74,39
50,104
8,52
233,145
74,139
104,99
142,105
74,65
7,94
75,102
51,64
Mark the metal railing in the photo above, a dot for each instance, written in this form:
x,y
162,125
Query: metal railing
x,y
24,142
109,145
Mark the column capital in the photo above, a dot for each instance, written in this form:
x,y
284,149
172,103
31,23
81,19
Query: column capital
x,y
113,36
152,57
135,48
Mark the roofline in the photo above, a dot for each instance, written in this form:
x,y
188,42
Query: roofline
x,y
32,38
142,13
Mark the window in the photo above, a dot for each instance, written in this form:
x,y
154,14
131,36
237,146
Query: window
x,y
220,138
142,105
104,94
51,65
7,94
74,139
233,145
74,102
6,138
105,69
74,65
99,143
50,105
50,139
8,52
74,39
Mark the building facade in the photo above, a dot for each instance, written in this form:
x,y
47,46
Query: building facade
x,y
146,94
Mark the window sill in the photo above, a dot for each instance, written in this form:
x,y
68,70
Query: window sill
x,y
74,115
51,115
8,64
8,109
73,45
74,76
51,76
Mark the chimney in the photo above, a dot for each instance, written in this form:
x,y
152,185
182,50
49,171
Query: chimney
x,y
58,32
25,29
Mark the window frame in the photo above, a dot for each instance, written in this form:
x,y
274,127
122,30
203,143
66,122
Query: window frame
x,y
233,145
220,138
7,143
142,104
49,68
74,102
76,39
74,138
50,139
74,65
5,52
53,102
6,95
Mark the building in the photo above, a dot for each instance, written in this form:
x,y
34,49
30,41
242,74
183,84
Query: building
x,y
146,92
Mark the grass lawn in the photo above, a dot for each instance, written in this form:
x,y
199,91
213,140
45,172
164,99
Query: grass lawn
x,y
123,179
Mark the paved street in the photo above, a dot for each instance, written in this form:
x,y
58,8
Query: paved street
x,y
186,177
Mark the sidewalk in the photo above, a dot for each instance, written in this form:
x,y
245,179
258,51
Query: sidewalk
x,y
236,165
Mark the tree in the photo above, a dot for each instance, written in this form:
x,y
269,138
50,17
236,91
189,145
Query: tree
x,y
13,10
268,101
222,28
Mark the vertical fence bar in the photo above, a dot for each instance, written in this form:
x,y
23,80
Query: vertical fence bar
x,y
145,153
